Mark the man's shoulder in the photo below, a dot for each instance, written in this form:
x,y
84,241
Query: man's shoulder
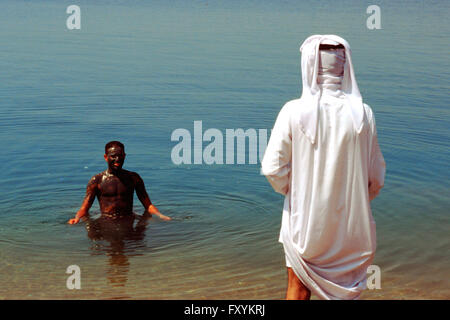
x,y
99,175
131,173
287,110
96,179
134,175
291,104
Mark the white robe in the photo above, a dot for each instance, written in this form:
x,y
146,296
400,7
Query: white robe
x,y
323,162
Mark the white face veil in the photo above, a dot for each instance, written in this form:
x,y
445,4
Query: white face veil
x,y
313,64
331,71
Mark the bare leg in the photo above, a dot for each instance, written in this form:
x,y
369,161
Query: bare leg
x,y
296,290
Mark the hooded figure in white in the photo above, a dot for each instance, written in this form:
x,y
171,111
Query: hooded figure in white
x,y
323,155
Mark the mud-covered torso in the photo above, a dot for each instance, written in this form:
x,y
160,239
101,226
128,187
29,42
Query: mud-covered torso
x,y
115,193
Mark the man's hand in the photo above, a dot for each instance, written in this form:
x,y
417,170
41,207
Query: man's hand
x,y
163,217
158,214
80,214
152,210
74,220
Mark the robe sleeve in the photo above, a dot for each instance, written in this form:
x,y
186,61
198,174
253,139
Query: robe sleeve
x,y
276,164
377,166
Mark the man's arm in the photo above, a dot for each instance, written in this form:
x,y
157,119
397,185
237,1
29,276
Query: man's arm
x,y
145,199
377,165
91,191
377,170
276,164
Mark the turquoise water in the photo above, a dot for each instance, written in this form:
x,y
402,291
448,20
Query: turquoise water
x,y
135,72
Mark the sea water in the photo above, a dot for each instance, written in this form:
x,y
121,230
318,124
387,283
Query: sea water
x,y
138,70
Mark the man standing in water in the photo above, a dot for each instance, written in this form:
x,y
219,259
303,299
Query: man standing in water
x,y
323,155
115,188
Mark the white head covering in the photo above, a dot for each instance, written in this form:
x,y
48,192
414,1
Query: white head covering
x,y
312,90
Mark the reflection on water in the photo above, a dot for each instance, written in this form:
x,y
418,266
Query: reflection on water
x,y
118,239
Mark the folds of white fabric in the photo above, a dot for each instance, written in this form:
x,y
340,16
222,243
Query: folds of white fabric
x,y
327,228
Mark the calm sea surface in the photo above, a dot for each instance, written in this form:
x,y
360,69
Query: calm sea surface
x,y
135,72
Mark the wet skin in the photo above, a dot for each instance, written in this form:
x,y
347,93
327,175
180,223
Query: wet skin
x,y
115,192
114,189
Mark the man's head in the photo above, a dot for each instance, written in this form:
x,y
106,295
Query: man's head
x,y
324,46
331,61
114,155
313,67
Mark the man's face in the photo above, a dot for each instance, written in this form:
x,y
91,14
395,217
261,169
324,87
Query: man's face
x,y
115,157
